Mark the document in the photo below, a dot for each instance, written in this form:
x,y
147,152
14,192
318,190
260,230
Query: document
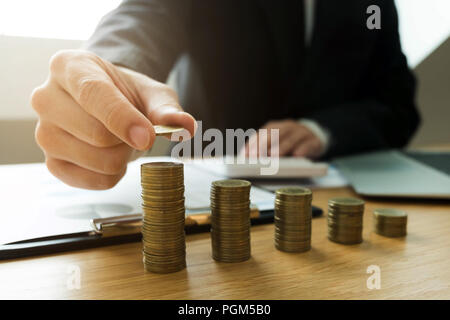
x,y
36,204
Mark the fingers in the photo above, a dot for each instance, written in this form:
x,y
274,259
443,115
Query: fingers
x,y
259,140
259,144
169,115
162,107
78,177
91,112
294,139
61,110
289,142
82,76
251,147
311,148
160,102
61,145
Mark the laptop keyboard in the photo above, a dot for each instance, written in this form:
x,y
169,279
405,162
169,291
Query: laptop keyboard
x,y
437,160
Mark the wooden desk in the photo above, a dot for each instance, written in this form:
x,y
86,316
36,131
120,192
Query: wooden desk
x,y
417,266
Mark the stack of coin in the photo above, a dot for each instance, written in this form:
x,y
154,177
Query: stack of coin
x,y
390,222
163,217
345,220
293,219
230,220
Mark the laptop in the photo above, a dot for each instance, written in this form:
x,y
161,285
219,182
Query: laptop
x,y
394,173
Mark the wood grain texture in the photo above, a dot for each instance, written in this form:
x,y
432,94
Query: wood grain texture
x,y
417,266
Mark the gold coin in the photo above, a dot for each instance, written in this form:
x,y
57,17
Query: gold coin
x,y
231,184
293,193
345,220
390,222
163,221
162,130
345,202
389,213
230,220
292,219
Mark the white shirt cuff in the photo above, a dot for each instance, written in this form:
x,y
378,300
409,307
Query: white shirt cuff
x,y
321,133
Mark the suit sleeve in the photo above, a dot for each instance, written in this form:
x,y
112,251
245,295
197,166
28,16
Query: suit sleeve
x,y
385,116
144,35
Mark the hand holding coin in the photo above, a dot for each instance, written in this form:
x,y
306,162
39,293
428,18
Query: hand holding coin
x,y
95,117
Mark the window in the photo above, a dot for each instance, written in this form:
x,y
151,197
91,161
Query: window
x,y
423,26
60,19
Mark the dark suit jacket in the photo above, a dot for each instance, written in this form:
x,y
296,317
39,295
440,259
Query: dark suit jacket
x,y
249,60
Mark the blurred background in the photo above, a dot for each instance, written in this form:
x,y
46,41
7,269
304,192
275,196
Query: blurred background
x,y
31,31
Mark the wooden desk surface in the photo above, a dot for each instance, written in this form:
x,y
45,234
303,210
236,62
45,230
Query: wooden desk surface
x,y
417,266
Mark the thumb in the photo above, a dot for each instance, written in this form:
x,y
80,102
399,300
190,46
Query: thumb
x,y
162,108
87,80
171,115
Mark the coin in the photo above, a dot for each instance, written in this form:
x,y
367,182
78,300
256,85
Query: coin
x,y
163,221
161,130
293,219
230,220
345,220
390,222
345,202
292,246
293,194
233,186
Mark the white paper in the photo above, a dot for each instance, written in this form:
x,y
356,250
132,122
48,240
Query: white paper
x,y
36,204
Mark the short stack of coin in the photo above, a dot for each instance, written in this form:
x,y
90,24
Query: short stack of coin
x,y
293,219
230,220
390,222
345,220
163,217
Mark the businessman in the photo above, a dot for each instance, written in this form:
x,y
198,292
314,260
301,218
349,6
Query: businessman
x,y
312,69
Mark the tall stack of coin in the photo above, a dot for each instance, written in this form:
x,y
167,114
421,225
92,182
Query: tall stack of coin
x,y
230,220
345,220
293,219
163,217
390,222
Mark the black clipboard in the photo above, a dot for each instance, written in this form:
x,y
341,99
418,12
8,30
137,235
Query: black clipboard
x,y
112,231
